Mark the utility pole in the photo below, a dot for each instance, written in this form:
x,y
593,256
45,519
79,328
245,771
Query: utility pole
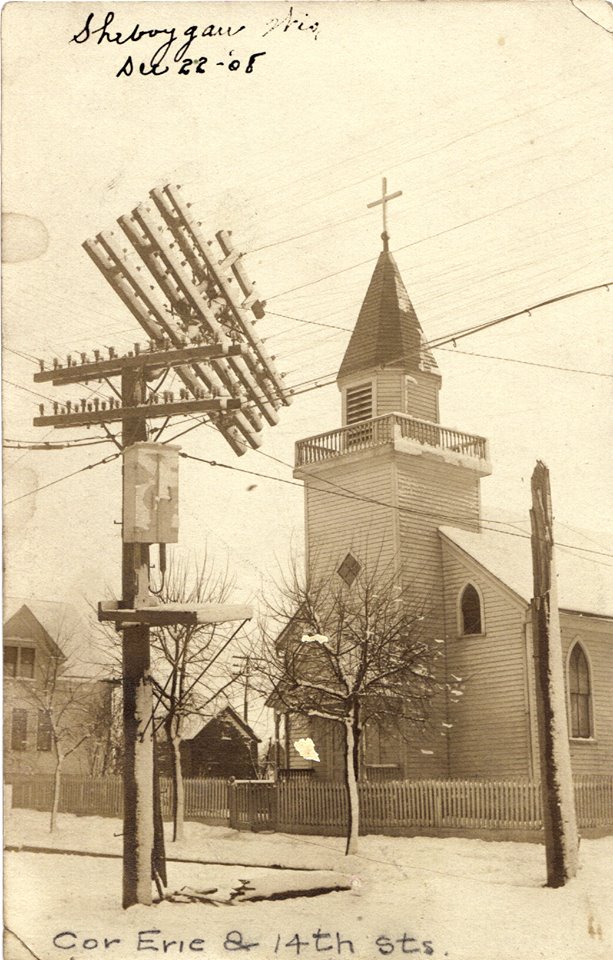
x,y
246,699
137,691
132,409
245,672
559,816
197,307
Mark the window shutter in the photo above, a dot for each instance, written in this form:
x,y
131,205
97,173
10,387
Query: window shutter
x,y
19,730
44,734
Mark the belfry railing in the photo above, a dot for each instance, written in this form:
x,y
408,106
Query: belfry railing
x,y
392,428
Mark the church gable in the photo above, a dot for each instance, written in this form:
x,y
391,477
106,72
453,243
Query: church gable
x,y
486,647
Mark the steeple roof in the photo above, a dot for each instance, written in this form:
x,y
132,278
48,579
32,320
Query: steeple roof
x,y
387,331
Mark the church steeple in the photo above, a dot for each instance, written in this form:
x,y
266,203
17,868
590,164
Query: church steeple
x,y
388,359
387,331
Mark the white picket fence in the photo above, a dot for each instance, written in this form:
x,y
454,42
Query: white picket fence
x,y
443,804
321,807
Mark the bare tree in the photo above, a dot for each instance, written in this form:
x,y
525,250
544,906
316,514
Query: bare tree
x,y
104,750
73,713
352,655
190,670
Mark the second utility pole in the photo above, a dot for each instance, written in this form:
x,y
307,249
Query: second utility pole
x,y
137,689
559,816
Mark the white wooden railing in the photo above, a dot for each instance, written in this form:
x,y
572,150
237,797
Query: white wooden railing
x,y
388,429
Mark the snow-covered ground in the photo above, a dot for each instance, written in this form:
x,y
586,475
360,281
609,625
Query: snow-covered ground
x,y
462,899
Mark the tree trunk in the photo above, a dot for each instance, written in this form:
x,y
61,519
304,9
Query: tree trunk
x,y
57,782
353,823
178,800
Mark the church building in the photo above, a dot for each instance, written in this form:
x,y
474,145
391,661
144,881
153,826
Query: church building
x,y
411,504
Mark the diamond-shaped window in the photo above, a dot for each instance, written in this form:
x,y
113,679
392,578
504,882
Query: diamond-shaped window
x,y
349,569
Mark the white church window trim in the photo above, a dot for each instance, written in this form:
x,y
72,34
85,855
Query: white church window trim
x,y
470,610
580,694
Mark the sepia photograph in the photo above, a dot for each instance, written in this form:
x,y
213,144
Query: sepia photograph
x,y
307,479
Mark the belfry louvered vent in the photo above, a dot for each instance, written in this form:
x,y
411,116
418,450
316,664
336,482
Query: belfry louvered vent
x,y
359,403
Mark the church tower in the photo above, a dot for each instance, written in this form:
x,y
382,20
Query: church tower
x,y
378,488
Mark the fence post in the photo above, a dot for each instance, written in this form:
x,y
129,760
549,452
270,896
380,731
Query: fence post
x,y
232,804
273,804
251,806
438,804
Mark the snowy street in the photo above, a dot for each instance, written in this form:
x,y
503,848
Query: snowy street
x,y
463,899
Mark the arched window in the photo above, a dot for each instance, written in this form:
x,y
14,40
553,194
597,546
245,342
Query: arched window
x,y
471,620
580,694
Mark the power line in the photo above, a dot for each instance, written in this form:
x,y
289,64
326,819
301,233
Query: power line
x,y
530,363
309,233
34,393
458,226
314,323
12,445
437,343
388,506
89,466
468,331
477,328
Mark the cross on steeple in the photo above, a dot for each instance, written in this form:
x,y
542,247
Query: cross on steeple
x,y
383,202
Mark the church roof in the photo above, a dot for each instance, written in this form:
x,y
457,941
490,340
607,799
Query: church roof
x,y
583,583
387,329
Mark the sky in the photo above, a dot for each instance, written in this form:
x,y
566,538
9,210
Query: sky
x,y
492,120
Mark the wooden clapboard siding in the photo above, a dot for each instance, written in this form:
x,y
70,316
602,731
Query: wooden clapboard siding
x,y
490,736
389,392
330,744
395,392
298,727
593,756
421,398
338,524
431,493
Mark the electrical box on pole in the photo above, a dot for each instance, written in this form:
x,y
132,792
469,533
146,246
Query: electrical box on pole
x,y
151,493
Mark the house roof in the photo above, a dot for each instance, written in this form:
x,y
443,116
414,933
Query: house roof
x,y
387,329
65,632
584,583
22,622
193,726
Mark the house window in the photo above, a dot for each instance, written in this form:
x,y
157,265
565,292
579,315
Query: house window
x,y
26,662
44,734
349,569
19,730
359,403
470,611
10,661
19,661
580,694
